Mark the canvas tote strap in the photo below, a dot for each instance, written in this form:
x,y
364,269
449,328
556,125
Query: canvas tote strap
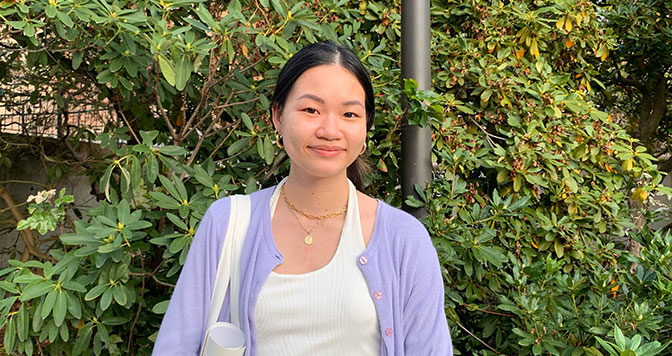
x,y
228,268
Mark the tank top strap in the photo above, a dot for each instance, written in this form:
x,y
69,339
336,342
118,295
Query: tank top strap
x,y
352,239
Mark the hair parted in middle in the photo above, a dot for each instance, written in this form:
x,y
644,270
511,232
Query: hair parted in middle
x,y
324,53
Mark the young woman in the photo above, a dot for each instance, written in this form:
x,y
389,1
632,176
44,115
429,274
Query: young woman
x,y
325,269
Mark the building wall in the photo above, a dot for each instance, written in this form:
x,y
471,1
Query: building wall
x,y
29,171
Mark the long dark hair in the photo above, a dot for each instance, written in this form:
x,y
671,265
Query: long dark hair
x,y
328,53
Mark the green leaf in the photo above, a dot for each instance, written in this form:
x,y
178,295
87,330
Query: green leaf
x,y
183,72
48,304
29,30
8,287
36,290
74,286
173,150
65,19
237,146
160,307
105,181
465,109
77,59
106,299
635,342
619,337
247,121
164,201
559,248
167,69
95,292
177,221
123,211
269,151
10,335
74,306
60,308
171,188
517,182
19,25
22,323
598,330
37,318
203,177
152,169
83,339
413,202
107,248
119,295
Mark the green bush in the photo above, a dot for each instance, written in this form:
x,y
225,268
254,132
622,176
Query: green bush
x,y
532,181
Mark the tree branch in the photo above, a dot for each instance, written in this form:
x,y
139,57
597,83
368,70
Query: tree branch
x,y
26,234
162,111
653,106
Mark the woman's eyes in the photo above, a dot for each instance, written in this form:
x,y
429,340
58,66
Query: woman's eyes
x,y
349,114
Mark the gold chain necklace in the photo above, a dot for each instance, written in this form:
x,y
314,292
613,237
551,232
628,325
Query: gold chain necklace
x,y
312,217
308,239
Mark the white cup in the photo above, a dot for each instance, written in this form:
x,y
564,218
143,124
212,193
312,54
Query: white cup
x,y
224,339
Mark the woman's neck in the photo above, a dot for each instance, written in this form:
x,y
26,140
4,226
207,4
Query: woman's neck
x,y
317,196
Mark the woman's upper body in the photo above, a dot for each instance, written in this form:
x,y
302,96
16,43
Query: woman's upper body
x,y
325,311
399,264
322,109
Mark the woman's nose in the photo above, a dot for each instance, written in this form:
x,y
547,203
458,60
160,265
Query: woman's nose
x,y
329,128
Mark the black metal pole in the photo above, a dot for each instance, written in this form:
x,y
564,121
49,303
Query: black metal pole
x,y
416,142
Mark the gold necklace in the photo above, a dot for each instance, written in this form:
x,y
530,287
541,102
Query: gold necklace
x,y
312,217
308,239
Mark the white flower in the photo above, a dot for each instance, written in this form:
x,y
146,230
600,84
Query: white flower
x,y
42,196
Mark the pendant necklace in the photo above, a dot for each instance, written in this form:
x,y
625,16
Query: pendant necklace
x,y
308,239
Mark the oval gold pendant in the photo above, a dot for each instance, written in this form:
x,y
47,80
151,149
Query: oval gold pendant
x,y
308,240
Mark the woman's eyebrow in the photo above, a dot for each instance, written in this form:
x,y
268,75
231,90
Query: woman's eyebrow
x,y
353,102
321,101
312,97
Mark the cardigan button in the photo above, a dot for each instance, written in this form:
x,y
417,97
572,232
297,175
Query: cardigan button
x,y
389,331
363,260
377,294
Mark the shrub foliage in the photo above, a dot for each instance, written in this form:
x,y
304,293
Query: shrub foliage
x,y
530,206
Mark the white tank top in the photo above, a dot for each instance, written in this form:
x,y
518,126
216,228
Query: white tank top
x,y
324,312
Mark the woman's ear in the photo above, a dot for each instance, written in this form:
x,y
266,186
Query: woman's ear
x,y
276,113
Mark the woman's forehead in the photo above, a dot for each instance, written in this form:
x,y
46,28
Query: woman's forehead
x,y
327,82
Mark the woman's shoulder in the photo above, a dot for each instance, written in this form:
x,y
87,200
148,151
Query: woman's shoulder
x,y
395,219
223,205
403,238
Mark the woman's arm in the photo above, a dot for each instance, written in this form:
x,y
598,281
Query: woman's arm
x,y
425,321
183,326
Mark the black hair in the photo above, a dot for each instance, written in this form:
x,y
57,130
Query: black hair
x,y
322,53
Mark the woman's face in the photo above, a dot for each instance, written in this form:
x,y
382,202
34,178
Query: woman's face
x,y
323,121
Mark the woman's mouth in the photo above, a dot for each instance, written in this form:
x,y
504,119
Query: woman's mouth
x,y
326,151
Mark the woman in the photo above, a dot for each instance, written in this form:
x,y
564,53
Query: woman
x,y
325,269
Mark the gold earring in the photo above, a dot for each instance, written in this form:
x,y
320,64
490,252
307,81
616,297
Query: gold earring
x,y
363,150
278,140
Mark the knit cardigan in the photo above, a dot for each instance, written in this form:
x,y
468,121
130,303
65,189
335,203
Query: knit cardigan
x,y
399,264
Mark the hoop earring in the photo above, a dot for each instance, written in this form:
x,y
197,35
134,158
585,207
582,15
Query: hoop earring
x,y
363,150
278,140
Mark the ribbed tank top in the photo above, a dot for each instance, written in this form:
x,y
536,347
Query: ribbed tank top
x,y
328,311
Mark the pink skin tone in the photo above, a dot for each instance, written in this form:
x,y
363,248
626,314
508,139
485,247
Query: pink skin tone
x,y
323,123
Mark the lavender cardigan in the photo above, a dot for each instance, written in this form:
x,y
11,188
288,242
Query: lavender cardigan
x,y
400,266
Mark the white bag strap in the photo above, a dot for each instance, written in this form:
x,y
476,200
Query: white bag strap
x,y
228,268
